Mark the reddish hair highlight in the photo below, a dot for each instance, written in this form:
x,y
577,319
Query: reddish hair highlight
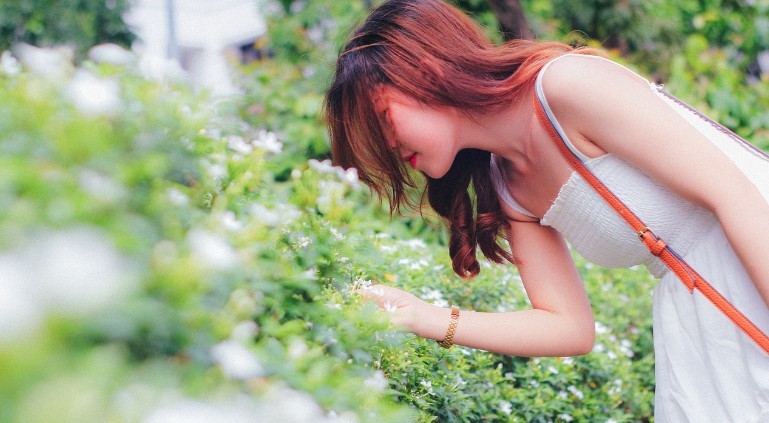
x,y
431,51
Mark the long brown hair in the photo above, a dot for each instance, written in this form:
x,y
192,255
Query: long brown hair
x,y
435,53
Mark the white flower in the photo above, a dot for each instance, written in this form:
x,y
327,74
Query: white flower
x,y
349,176
565,417
297,348
552,370
427,384
264,215
20,314
377,381
9,65
77,271
241,409
245,331
390,308
112,54
506,407
236,361
52,63
211,250
268,141
102,186
177,197
600,328
239,145
160,68
576,392
230,222
94,96
321,167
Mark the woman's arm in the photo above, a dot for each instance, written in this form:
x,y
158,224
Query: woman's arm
x,y
560,322
605,104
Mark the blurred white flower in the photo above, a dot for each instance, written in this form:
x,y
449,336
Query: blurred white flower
x,y
263,214
600,328
52,63
390,308
9,65
77,271
297,348
211,250
20,314
230,222
94,96
245,331
331,193
236,361
377,381
102,186
237,144
160,68
506,407
349,176
321,167
576,392
112,54
177,197
268,141
296,174
286,405
242,409
565,417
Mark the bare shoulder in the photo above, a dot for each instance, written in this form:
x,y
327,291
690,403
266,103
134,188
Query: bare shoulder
x,y
577,79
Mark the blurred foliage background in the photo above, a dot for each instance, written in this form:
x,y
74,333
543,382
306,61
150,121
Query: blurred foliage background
x,y
165,256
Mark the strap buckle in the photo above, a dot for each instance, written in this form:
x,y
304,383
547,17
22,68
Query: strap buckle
x,y
644,230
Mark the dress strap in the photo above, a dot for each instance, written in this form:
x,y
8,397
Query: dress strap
x,y
540,92
498,178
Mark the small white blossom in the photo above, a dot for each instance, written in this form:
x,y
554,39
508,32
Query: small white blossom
x,y
94,96
378,381
230,222
297,348
237,144
552,370
506,407
427,384
102,186
160,68
324,166
211,250
576,392
52,63
241,409
20,315
236,361
565,417
9,65
245,331
600,328
77,271
268,141
177,197
112,54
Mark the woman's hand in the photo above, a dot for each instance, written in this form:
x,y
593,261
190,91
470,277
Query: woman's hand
x,y
402,306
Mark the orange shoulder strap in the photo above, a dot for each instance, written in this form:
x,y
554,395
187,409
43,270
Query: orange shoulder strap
x,y
657,246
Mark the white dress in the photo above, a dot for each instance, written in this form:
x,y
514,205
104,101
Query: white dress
x,y
706,369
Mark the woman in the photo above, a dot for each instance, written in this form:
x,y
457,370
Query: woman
x,y
418,85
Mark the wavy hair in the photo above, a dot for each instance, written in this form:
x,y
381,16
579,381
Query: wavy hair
x,y
432,51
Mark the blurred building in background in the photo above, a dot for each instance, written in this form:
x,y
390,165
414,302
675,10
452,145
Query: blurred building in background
x,y
205,37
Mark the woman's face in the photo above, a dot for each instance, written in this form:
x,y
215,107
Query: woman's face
x,y
424,136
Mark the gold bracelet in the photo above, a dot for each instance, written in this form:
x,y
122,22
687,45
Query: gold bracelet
x,y
446,343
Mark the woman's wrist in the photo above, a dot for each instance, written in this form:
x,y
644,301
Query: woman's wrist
x,y
431,321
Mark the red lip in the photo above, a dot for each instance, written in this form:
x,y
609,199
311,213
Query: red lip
x,y
413,161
